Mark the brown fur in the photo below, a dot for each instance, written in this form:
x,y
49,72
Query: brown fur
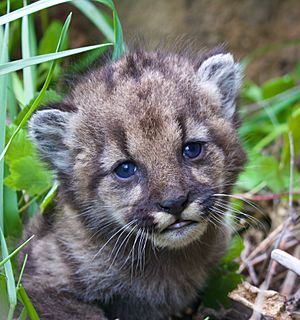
x,y
142,108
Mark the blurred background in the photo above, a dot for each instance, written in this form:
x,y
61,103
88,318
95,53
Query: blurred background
x,y
268,29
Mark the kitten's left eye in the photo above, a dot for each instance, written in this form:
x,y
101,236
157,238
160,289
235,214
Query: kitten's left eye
x,y
126,170
192,150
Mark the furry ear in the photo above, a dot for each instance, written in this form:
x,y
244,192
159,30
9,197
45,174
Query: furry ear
x,y
47,130
221,70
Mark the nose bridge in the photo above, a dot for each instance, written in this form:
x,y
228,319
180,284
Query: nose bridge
x,y
167,181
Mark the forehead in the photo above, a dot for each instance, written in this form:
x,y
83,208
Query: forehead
x,y
146,100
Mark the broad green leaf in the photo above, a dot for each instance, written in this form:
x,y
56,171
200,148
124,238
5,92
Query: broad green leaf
x,y
268,168
251,92
234,251
250,178
278,85
27,173
20,147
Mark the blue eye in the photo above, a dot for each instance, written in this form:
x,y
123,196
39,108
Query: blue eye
x,y
192,150
125,170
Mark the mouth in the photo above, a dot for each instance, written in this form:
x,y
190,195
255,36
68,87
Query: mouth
x,y
179,224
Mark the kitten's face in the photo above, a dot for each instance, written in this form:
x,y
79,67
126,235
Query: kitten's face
x,y
148,146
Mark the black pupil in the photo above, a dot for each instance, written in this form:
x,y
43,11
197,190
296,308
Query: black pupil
x,y
192,150
125,170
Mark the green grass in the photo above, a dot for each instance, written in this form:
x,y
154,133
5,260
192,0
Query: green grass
x,y
25,184
270,112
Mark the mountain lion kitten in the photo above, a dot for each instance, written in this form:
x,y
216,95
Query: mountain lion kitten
x,y
142,148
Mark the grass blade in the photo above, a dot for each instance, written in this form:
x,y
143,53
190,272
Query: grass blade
x,y
8,257
22,271
28,74
49,196
3,104
43,4
23,63
22,295
45,86
95,15
34,7
10,280
23,315
4,304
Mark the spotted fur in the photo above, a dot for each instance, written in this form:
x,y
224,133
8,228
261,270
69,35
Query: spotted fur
x,y
106,248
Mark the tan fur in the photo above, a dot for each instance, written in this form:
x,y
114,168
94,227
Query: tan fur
x,y
109,243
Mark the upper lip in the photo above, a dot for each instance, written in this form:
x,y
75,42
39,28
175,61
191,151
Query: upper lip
x,y
179,223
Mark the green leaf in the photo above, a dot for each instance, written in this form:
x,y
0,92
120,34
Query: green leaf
x,y
13,225
234,251
48,42
268,168
278,85
224,278
27,173
251,92
20,147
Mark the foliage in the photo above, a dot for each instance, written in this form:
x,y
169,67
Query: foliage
x,y
276,106
224,278
269,112
26,185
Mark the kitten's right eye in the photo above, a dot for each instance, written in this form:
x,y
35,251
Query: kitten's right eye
x,y
125,170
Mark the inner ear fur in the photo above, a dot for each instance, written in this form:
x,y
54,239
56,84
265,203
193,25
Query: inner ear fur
x,y
48,130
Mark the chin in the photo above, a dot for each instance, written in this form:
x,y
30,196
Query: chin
x,y
180,237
